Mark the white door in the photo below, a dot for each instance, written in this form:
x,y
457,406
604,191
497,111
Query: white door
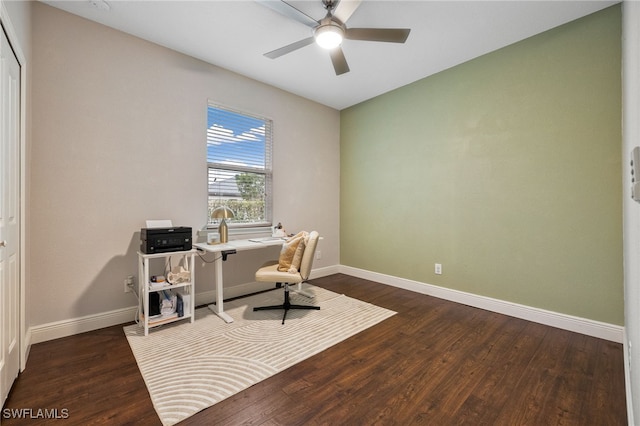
x,y
9,217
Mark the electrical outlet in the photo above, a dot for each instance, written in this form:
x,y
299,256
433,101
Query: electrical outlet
x,y
438,269
318,255
128,284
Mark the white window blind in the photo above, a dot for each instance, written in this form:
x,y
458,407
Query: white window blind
x,y
239,147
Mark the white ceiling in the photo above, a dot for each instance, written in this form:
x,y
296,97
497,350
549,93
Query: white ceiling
x,y
235,34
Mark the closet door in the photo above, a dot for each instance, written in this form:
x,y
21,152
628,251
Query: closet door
x,y
9,217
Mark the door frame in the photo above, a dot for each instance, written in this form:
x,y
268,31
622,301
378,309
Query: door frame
x,y
5,22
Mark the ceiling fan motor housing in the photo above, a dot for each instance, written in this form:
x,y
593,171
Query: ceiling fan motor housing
x,y
329,34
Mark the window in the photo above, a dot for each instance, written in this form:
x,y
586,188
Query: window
x,y
239,166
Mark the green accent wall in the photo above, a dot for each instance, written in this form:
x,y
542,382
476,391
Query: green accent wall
x,y
505,169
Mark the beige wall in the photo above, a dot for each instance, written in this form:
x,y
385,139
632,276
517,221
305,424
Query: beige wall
x,y
505,169
119,137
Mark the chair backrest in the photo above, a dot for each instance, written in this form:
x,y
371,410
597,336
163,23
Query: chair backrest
x,y
308,255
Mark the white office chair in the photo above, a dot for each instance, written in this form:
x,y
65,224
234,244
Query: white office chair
x,y
269,273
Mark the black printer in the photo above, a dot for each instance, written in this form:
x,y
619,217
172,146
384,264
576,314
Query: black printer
x,y
163,240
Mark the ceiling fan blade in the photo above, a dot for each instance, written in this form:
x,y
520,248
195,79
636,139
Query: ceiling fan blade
x,y
289,11
289,48
390,35
339,61
345,9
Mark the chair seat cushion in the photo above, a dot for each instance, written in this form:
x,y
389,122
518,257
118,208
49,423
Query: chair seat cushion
x,y
269,273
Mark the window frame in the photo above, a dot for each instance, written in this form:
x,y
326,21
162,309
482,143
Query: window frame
x,y
267,172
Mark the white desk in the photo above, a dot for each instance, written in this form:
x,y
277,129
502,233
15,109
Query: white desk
x,y
237,245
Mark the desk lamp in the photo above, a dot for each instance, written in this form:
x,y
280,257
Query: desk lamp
x,y
223,213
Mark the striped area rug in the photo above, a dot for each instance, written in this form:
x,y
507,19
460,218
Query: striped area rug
x,y
189,367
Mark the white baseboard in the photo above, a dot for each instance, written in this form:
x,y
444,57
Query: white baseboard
x,y
627,378
55,330
26,349
324,272
614,333
69,327
611,332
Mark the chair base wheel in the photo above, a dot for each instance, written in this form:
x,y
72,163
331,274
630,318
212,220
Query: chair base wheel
x,y
286,306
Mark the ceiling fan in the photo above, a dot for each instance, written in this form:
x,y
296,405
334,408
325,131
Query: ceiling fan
x,y
330,31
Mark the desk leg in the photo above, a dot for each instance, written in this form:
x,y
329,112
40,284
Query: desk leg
x,y
218,309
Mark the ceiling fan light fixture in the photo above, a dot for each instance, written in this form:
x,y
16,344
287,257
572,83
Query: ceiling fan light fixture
x,y
329,36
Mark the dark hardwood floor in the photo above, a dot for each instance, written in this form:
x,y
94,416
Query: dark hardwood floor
x,y
434,363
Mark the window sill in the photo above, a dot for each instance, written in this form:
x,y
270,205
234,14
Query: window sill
x,y
240,233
